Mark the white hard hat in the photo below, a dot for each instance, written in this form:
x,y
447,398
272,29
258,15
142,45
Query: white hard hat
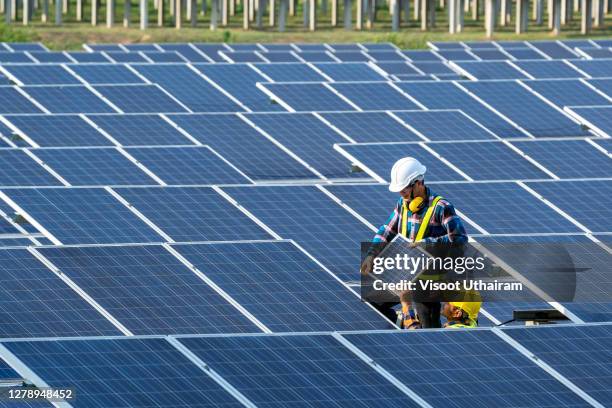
x,y
404,172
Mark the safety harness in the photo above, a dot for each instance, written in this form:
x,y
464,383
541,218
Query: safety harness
x,y
424,222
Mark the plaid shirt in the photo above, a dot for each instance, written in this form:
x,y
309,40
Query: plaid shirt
x,y
444,225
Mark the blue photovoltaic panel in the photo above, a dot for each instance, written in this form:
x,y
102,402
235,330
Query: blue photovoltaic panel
x,y
45,56
301,371
594,68
581,354
366,127
245,47
187,51
375,96
489,54
140,130
351,56
569,158
141,47
58,131
599,117
525,54
240,81
310,139
431,67
440,95
87,57
187,165
290,72
34,302
345,47
603,42
83,215
126,57
278,47
6,372
553,49
480,45
280,56
380,158
193,214
308,97
282,287
350,72
597,53
597,218
444,45
604,85
105,47
316,56
42,74
420,55
567,93
548,69
488,161
606,144
311,47
325,229
19,169
377,46
15,46
253,153
123,373
445,125
374,202
92,167
12,101
387,55
139,98
397,68
490,70
106,74
212,50
148,290
523,213
497,373
68,99
7,228
456,55
163,57
525,109
14,57
578,43
242,56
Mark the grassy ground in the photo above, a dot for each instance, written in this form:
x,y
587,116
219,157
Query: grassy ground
x,y
71,35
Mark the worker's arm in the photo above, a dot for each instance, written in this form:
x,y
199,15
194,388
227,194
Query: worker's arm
x,y
389,229
455,232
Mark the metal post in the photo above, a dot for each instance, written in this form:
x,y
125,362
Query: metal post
x,y
64,6
431,8
214,14
348,14
305,13
586,23
452,18
94,12
406,7
160,13
396,15
556,17
292,7
44,15
359,15
127,8
8,11
272,13
424,19
489,17
312,8
551,14
194,12
204,7
521,16
224,12
475,10
144,14
282,15
110,13
503,17
13,10
26,12
334,13
417,9
245,14
58,12
599,13
178,14
539,17
563,12
232,8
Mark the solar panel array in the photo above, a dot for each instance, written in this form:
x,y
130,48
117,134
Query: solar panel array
x,y
190,216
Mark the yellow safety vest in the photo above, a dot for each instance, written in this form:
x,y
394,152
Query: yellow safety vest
x,y
424,222
456,325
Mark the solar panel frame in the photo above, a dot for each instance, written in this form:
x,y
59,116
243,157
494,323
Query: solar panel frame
x,y
106,74
375,96
14,102
307,96
68,99
439,125
366,127
567,92
42,74
19,169
350,71
146,98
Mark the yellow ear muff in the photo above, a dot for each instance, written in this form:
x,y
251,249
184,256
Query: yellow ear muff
x,y
416,204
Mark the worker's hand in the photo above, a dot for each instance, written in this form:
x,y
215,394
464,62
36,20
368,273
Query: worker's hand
x,y
367,265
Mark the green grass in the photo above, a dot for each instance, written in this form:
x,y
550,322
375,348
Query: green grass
x,y
71,35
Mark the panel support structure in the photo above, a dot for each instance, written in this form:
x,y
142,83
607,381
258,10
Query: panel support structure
x,y
144,14
522,15
586,18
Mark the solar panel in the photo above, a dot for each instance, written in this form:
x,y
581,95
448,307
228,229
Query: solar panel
x,y
139,98
387,55
280,56
578,353
125,57
12,101
375,96
187,165
34,302
140,130
374,202
567,93
345,47
548,69
371,126
397,68
568,158
106,74
351,56
127,372
7,57
282,287
376,46
148,290
553,49
456,55
42,74
595,53
598,218
488,161
141,47
241,56
603,42
58,131
290,72
486,359
420,55
87,57
105,47
245,47
380,157
604,85
312,47
45,56
322,227
316,56
308,97
305,370
193,214
83,215
491,54
606,144
446,45
430,67
490,70
240,81
277,47
19,169
594,68
480,45
350,71
439,95
24,46
310,139
525,54
68,99
230,136
522,213
525,109
96,166
212,50
163,57
596,117
445,125
186,50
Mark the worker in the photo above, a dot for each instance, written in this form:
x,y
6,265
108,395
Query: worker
x,y
413,219
461,314
406,318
